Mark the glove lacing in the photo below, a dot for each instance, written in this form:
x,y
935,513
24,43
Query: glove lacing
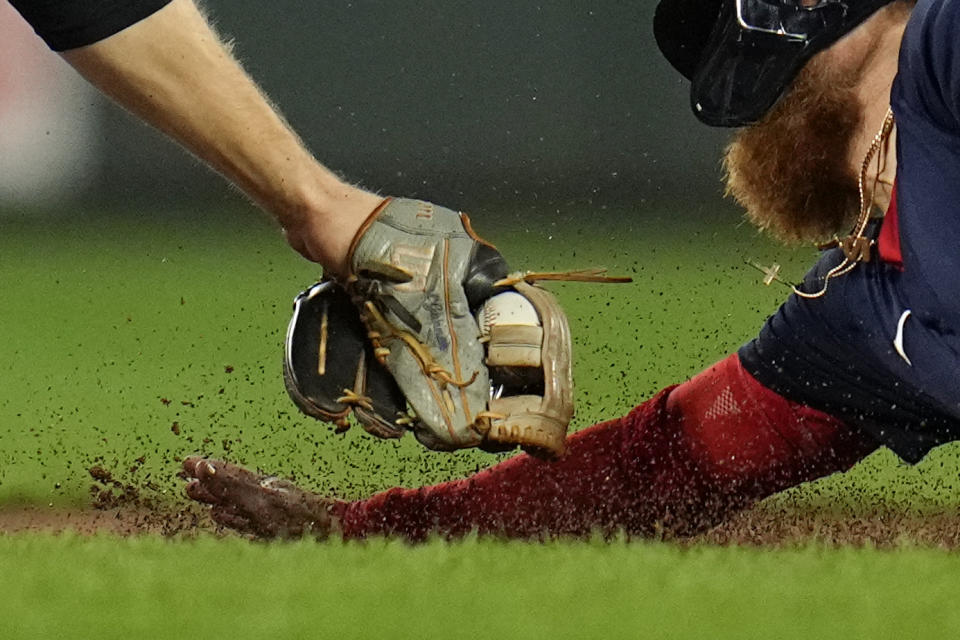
x,y
578,275
425,359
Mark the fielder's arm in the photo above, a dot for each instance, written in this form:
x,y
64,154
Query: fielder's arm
x,y
174,72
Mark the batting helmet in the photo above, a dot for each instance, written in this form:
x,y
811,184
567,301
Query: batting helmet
x,y
740,55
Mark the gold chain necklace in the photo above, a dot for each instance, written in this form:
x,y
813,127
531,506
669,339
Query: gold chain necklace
x,y
856,246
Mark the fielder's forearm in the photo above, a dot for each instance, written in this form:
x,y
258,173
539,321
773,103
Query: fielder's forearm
x,y
173,71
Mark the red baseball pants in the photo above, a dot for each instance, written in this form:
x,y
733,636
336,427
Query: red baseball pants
x,y
676,465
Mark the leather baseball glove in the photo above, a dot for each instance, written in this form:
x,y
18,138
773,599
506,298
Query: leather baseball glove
x,y
396,342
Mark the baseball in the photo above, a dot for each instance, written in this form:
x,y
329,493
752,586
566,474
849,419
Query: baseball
x,y
511,327
506,308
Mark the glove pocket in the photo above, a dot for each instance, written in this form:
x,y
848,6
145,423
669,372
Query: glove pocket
x,y
514,356
532,402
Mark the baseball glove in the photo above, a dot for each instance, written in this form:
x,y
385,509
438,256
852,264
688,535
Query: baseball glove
x,y
419,276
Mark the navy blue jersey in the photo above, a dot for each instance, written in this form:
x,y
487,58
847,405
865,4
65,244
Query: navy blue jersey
x,y
926,103
881,349
67,24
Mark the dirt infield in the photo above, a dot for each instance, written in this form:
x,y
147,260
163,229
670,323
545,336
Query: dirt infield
x,y
882,529
122,509
124,521
761,526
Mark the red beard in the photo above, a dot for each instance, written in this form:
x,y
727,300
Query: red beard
x,y
791,171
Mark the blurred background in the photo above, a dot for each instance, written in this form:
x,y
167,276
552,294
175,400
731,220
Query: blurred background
x,y
464,103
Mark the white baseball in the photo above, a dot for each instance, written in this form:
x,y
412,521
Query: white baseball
x,y
506,308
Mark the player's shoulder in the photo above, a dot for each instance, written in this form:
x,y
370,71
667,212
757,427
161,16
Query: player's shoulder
x,y
932,31
935,17
928,79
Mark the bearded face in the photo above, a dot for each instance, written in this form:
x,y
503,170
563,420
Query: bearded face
x,y
791,171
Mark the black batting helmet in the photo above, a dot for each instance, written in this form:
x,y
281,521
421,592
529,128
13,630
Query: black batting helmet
x,y
740,55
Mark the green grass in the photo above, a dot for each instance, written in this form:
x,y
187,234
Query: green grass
x,y
116,329
122,588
